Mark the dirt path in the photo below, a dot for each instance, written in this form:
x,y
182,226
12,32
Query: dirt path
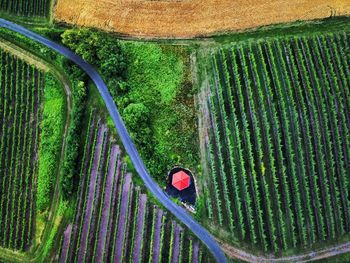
x,y
234,252
189,18
37,250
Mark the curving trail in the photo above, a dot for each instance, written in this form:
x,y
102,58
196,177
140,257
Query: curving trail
x,y
177,211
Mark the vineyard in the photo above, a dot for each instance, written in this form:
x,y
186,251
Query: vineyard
x,y
28,8
278,145
20,99
114,221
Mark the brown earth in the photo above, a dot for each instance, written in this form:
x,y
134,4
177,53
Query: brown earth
x,y
316,255
189,18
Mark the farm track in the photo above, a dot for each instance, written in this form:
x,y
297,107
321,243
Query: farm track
x,y
33,255
305,257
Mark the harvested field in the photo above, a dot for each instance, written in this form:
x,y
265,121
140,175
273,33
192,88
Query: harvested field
x,y
185,19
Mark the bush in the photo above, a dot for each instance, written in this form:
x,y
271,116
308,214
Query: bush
x,y
71,155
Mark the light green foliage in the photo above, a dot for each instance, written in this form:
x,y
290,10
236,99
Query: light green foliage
x,y
153,72
51,239
157,79
50,142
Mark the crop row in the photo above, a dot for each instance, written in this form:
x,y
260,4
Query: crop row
x,y
20,97
34,8
278,146
112,215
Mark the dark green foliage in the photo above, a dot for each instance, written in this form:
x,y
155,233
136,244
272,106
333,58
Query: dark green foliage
x,y
136,115
102,51
69,169
280,120
26,8
21,87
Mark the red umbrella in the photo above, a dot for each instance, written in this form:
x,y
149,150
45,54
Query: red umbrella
x,y
181,180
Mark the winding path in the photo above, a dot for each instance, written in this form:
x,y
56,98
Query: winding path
x,y
179,212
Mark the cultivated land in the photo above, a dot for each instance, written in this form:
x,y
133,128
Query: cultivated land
x,y
25,8
274,186
20,115
178,245
115,221
189,18
278,144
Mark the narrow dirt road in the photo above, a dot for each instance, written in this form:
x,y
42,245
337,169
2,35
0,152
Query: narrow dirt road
x,y
234,252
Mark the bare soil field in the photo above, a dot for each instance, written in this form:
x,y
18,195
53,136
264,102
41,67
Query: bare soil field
x,y
190,18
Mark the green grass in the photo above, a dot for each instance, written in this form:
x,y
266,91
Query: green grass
x,y
51,137
160,90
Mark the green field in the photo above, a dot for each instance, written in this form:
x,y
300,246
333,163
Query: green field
x,y
26,8
20,116
114,221
278,143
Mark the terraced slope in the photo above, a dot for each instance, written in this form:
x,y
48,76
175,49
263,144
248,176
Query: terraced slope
x,y
20,114
114,220
279,141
